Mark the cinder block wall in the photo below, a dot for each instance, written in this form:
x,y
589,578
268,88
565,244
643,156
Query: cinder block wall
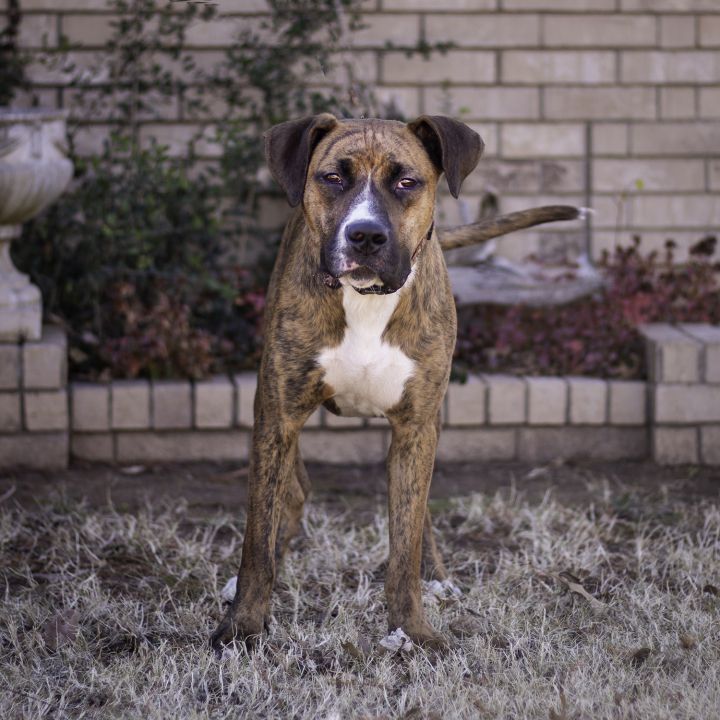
x,y
528,74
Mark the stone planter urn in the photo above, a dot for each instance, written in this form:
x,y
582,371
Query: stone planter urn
x,y
34,171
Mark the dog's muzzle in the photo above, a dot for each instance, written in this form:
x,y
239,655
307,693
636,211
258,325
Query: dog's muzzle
x,y
370,238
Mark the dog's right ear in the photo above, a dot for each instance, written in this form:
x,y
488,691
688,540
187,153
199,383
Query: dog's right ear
x,y
288,148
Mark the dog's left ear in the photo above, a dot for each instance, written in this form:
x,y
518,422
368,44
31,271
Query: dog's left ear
x,y
452,146
288,148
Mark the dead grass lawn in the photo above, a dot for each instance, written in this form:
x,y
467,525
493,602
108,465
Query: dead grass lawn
x,y
608,612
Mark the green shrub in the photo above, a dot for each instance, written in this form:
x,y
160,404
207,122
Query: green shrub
x,y
12,62
136,260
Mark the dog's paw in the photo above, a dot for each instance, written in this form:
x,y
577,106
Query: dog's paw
x,y
428,639
421,633
236,627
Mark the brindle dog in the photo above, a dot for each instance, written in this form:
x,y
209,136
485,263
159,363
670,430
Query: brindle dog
x,y
360,318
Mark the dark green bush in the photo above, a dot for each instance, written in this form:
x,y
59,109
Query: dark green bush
x,y
136,260
12,63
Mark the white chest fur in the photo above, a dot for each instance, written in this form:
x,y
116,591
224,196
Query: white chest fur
x,y
367,374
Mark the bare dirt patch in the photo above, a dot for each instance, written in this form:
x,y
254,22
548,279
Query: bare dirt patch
x,y
602,603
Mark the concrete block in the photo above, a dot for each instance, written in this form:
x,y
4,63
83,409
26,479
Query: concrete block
x,y
681,6
405,99
245,387
528,140
179,446
339,421
675,446
88,30
455,66
610,138
674,138
588,401
560,5
92,447
676,210
504,176
677,103
45,360
37,451
506,399
130,404
214,403
67,5
489,31
38,32
599,30
10,420
589,67
46,410
90,406
582,443
171,404
685,404
677,31
466,402
628,402
439,5
377,30
709,336
672,355
9,366
710,444
464,445
709,27
343,446
669,174
547,400
379,422
684,66
709,102
612,103
487,102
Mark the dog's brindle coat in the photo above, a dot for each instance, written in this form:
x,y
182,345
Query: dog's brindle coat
x,y
360,317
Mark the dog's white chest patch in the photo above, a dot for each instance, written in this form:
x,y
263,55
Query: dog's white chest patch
x,y
367,374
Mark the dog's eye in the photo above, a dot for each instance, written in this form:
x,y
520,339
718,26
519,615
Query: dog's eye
x,y
407,183
333,178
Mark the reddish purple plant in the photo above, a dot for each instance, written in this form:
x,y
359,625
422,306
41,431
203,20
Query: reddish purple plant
x,y
598,335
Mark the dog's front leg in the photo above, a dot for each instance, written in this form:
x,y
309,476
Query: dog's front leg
x,y
410,466
274,450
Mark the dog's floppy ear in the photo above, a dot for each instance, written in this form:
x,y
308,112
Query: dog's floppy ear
x,y
288,148
452,146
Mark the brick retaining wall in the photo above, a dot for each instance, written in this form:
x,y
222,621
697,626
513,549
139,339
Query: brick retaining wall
x,y
527,74
34,419
674,418
489,418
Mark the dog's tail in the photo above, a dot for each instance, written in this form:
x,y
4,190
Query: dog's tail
x,y
487,229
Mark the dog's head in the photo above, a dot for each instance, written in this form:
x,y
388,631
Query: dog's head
x,y
368,187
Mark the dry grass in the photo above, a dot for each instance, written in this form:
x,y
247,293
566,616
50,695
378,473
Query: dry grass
x,y
107,614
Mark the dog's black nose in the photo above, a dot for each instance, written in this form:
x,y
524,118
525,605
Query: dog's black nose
x,y
366,236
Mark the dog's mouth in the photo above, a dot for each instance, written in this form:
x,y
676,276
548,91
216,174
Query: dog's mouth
x,y
366,282
372,278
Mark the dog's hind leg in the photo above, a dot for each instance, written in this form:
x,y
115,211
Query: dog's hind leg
x,y
433,567
297,492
